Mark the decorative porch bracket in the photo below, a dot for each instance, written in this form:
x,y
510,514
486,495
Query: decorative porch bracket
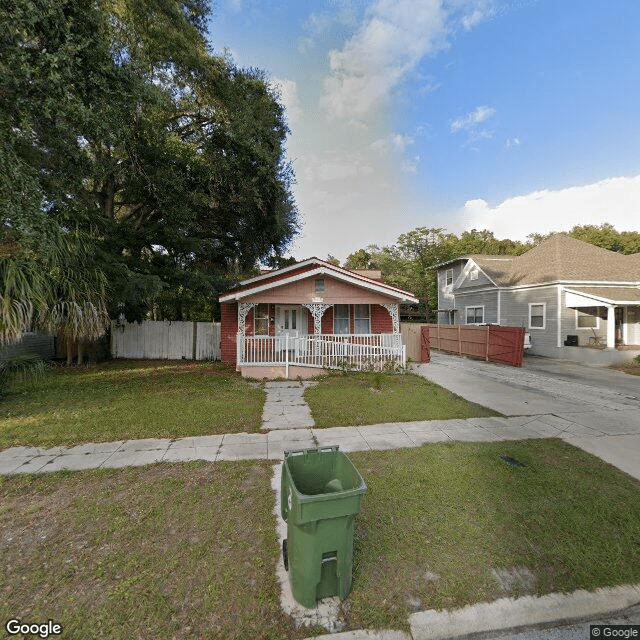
x,y
395,318
317,311
243,312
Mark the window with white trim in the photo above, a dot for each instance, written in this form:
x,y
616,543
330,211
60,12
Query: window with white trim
x,y
473,275
340,318
537,315
588,318
362,318
261,320
448,277
475,315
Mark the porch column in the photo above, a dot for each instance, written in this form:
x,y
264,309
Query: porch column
x,y
611,326
395,317
317,311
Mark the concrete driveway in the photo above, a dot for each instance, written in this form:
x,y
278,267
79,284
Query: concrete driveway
x,y
605,402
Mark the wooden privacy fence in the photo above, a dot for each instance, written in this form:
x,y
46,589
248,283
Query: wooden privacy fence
x,y
410,332
490,342
166,340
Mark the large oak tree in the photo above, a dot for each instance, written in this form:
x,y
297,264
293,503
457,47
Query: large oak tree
x,y
133,160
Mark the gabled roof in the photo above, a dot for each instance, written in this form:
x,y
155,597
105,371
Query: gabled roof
x,y
313,267
560,258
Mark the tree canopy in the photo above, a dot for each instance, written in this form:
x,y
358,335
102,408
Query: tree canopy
x,y
132,160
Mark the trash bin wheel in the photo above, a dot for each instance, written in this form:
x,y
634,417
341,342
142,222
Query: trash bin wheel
x,y
285,555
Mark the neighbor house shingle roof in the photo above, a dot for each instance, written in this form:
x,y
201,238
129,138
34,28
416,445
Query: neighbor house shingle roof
x,y
614,295
561,258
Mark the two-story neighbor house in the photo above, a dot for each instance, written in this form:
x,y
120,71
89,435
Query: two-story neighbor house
x,y
568,294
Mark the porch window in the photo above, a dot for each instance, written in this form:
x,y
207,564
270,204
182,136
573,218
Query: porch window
x,y
475,315
537,313
449,277
587,318
341,318
261,320
362,318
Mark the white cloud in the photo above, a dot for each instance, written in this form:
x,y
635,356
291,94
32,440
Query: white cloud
x,y
512,142
410,165
347,200
392,39
473,119
288,90
393,142
615,200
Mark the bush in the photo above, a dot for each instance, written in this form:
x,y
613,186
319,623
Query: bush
x,y
29,368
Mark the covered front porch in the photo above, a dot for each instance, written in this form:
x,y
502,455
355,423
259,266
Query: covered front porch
x,y
606,317
290,340
303,319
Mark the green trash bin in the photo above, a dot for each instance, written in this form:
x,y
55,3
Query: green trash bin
x,y
320,495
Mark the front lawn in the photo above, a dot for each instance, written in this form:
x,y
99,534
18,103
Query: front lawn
x,y
164,551
189,550
373,398
446,525
129,399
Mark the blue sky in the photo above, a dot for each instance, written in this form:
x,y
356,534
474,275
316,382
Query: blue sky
x,y
518,116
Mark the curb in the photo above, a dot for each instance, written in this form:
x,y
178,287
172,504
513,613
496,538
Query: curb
x,y
506,614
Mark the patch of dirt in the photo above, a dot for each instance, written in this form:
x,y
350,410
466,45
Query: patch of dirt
x,y
518,579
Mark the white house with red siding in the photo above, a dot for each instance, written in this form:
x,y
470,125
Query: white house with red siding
x,y
309,316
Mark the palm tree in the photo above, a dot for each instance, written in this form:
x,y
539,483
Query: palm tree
x,y
48,282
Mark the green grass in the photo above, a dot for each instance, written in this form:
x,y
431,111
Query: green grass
x,y
128,399
165,551
373,398
565,521
189,550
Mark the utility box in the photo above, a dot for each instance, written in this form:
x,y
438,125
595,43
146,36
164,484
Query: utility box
x,y
320,495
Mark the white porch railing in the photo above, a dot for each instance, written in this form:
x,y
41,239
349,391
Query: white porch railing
x,y
327,351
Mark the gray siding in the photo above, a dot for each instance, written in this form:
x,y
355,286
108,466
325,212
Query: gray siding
x,y
445,297
480,282
487,299
515,312
38,343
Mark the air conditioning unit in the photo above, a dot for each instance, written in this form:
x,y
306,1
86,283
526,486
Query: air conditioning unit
x,y
527,340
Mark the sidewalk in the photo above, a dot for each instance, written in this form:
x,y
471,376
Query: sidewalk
x,y
613,434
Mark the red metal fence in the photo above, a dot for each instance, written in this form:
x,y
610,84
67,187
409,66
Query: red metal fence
x,y
489,342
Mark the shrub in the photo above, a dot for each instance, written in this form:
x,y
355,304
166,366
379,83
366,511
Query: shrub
x,y
28,367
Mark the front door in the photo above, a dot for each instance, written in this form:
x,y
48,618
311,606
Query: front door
x,y
291,320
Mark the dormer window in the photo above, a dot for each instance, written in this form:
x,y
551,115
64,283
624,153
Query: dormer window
x,y
473,275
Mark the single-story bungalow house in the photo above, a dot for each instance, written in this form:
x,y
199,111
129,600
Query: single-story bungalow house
x,y
578,301
295,321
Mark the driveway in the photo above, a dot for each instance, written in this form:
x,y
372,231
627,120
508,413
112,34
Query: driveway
x,y
604,402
